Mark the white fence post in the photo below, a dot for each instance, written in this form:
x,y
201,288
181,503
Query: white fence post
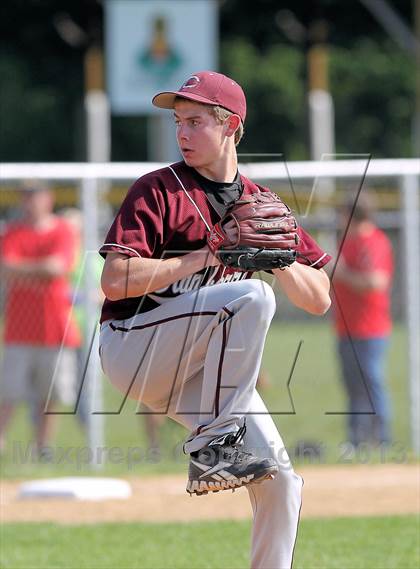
x,y
92,381
411,235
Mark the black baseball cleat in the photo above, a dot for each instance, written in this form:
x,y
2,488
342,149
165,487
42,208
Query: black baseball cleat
x,y
222,466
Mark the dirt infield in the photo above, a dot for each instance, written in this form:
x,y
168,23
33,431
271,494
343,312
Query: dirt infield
x,y
328,492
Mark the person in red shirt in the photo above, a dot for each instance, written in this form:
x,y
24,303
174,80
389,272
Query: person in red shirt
x,y
362,287
37,254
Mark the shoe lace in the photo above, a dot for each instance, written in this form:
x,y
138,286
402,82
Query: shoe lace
x,y
237,437
231,451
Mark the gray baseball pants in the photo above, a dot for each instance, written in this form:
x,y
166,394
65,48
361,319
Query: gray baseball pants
x,y
196,358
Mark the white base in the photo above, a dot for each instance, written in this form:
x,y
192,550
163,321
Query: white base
x,y
76,488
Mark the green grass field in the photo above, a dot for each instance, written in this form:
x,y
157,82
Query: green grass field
x,y
315,389
374,543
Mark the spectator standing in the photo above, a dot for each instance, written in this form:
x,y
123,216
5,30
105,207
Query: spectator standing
x,y
37,255
362,286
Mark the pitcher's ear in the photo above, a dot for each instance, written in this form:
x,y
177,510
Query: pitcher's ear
x,y
232,123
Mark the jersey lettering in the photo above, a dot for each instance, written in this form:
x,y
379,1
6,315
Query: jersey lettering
x,y
187,284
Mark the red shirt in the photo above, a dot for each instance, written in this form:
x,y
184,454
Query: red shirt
x,y
38,310
158,219
364,313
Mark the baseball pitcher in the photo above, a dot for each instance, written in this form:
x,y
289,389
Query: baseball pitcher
x,y
183,325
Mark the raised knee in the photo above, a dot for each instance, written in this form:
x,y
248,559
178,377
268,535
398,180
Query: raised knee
x,y
262,297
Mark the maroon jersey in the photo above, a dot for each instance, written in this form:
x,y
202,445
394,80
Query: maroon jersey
x,y
166,213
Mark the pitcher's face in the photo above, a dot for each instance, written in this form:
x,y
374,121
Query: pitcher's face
x,y
201,138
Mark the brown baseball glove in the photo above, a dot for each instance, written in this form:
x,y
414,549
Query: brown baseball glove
x,y
257,233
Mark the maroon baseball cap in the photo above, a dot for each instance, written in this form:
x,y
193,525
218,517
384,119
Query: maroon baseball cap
x,y
209,88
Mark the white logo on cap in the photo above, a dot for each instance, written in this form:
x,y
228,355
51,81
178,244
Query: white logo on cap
x,y
193,81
